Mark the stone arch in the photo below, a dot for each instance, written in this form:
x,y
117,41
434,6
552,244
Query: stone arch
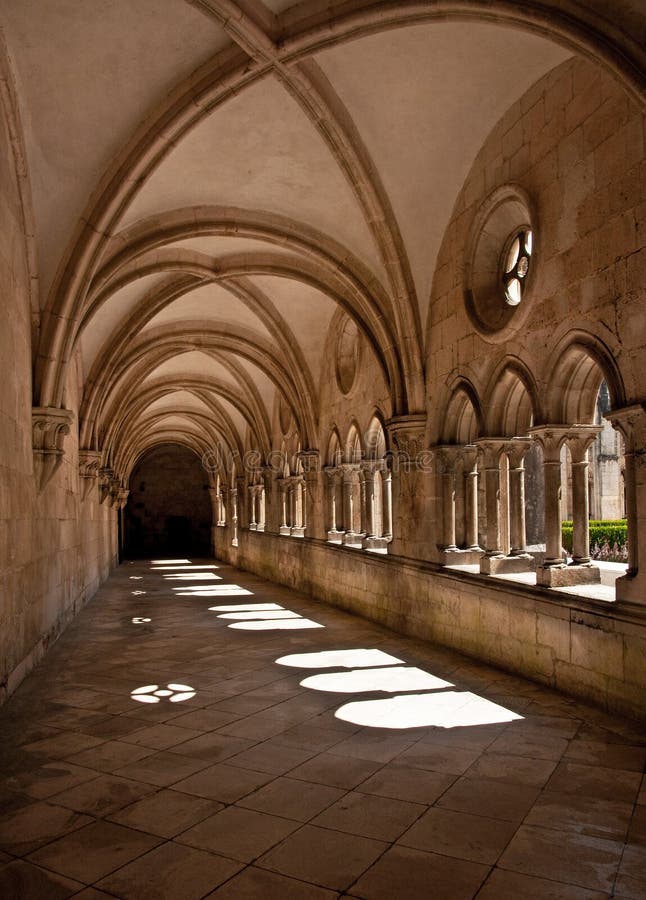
x,y
334,452
462,419
511,400
354,448
579,364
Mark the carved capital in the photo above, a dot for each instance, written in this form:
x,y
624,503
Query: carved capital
x,y
49,427
407,434
89,465
310,460
106,474
631,422
121,498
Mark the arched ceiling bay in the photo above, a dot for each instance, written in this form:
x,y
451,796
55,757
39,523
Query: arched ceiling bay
x,y
210,188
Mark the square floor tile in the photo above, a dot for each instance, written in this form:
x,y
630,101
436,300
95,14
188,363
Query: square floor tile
x,y
63,744
631,879
496,799
595,781
447,760
585,815
170,872
259,884
242,834
166,813
406,783
95,850
365,814
103,795
50,779
502,885
424,875
335,771
514,769
326,858
204,719
222,782
298,800
475,838
161,736
572,858
110,756
162,768
608,755
377,747
22,881
213,747
28,827
270,757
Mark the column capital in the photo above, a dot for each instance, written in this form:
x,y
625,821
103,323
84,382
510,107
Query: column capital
x,y
310,460
121,497
491,449
631,422
551,438
447,455
89,465
516,450
49,427
407,434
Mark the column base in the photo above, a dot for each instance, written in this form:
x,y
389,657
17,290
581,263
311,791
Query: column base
x,y
335,537
631,589
297,531
253,526
461,557
376,544
285,530
260,528
353,539
567,576
507,565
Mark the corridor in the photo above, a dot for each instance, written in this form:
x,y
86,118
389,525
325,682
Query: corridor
x,y
200,732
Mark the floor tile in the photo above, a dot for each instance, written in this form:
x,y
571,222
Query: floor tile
x,y
298,800
259,884
496,799
64,744
581,814
103,795
572,858
162,769
161,736
447,760
204,719
242,834
270,757
213,747
166,813
376,817
611,756
406,783
38,823
514,769
170,872
223,783
596,782
111,756
425,876
631,878
50,779
95,850
502,885
458,834
325,858
22,881
376,747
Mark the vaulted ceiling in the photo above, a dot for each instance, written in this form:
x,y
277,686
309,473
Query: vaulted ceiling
x,y
211,181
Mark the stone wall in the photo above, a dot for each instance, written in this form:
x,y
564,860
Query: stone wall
x,y
583,648
54,549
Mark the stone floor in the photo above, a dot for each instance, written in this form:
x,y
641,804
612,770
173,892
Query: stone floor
x,y
167,750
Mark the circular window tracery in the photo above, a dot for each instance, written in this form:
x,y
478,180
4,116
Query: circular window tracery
x,y
500,262
516,260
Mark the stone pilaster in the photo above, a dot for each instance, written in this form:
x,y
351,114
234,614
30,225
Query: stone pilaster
x,y
631,422
49,427
314,494
410,489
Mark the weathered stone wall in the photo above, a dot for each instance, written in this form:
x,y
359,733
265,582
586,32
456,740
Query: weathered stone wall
x,y
54,549
583,648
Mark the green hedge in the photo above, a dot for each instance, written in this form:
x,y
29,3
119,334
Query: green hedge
x,y
602,531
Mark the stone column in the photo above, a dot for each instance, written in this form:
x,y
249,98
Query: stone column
x,y
387,489
314,495
631,422
297,489
368,497
578,445
334,535
283,486
447,457
351,537
554,572
252,503
234,515
410,494
516,450
491,450
470,462
372,540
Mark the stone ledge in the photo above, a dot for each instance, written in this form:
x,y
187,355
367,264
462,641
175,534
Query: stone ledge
x,y
567,576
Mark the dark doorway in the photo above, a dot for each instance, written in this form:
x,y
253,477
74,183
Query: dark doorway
x,y
169,506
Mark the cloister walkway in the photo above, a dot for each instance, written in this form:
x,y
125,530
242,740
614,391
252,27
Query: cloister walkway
x,y
200,732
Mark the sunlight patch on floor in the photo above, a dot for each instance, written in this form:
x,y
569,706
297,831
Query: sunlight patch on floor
x,y
447,709
391,680
291,624
349,659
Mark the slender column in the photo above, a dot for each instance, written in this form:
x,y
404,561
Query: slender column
x,y
578,445
631,422
331,473
252,501
234,515
368,496
348,499
551,440
516,450
447,457
410,505
283,487
491,450
387,491
470,459
313,487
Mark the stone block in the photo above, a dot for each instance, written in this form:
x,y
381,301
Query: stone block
x,y
567,576
499,565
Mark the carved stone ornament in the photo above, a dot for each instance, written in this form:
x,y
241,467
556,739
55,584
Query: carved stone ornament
x,y
121,498
49,427
407,435
89,465
106,474
310,461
